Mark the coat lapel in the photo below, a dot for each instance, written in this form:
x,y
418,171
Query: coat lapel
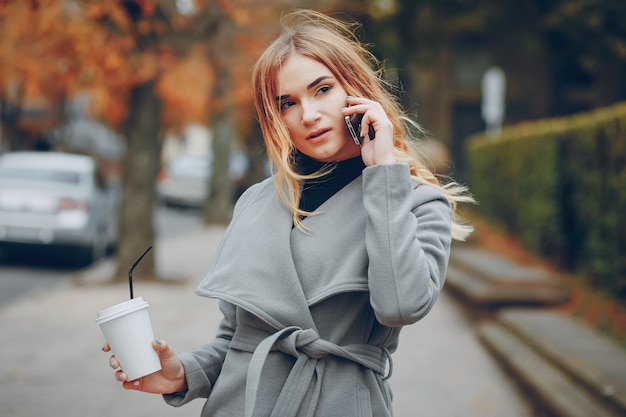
x,y
253,266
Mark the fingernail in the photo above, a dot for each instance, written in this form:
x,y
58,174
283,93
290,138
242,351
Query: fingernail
x,y
349,96
158,341
103,348
136,383
343,108
112,364
120,376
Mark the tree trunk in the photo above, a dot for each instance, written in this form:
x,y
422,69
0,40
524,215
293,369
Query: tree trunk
x,y
220,202
9,131
141,167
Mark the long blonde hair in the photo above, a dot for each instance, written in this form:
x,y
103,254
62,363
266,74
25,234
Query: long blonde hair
x,y
334,44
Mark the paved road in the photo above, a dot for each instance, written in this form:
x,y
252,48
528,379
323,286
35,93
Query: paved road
x,y
20,277
27,270
443,370
51,363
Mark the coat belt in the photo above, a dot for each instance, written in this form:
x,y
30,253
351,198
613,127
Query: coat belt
x,y
307,347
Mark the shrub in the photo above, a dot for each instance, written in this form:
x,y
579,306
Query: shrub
x,y
560,186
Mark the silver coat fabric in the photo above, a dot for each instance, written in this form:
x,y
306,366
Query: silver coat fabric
x,y
311,317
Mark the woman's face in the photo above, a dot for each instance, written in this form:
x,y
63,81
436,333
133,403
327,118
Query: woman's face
x,y
310,99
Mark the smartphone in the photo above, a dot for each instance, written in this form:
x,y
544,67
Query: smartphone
x,y
354,127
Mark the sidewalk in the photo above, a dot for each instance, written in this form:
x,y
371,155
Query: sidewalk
x,y
569,369
51,363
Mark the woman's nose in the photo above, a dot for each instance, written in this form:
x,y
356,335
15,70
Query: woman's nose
x,y
310,114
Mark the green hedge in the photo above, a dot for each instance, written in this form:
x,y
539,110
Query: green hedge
x,y
560,186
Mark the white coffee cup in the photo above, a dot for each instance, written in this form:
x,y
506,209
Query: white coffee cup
x,y
127,328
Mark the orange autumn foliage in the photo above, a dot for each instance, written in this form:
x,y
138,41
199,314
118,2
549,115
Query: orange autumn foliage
x,y
58,48
49,49
186,87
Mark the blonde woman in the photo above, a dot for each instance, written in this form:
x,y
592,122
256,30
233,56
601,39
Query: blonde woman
x,y
326,261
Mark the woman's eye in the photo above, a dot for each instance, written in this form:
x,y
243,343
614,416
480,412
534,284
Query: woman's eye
x,y
323,89
286,104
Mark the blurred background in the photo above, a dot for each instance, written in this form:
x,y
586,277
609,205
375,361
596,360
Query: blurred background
x,y
127,124
522,101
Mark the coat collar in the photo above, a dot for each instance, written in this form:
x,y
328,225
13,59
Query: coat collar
x,y
254,264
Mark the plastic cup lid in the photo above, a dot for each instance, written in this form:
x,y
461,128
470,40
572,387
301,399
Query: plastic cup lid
x,y
121,309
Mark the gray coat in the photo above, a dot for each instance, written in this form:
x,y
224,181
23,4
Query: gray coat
x,y
311,318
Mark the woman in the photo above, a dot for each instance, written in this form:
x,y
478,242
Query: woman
x,y
323,263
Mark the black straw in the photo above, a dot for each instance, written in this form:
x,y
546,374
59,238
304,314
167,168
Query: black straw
x,y
130,272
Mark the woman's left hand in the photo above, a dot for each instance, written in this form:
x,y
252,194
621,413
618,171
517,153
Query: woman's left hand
x,y
379,149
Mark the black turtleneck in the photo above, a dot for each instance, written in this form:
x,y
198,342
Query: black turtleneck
x,y
316,191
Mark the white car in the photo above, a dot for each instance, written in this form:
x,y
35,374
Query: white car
x,y
57,200
185,181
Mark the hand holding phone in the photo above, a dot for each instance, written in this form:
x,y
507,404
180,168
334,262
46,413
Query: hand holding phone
x,y
354,127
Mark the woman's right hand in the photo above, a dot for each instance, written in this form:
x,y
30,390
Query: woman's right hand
x,y
170,379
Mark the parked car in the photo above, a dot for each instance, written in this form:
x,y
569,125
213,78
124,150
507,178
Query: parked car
x,y
184,181
57,200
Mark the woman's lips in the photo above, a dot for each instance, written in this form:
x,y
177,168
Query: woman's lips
x,y
317,134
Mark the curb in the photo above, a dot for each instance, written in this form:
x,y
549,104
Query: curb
x,y
569,369
489,280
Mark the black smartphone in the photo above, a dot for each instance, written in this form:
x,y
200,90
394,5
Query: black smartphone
x,y
354,127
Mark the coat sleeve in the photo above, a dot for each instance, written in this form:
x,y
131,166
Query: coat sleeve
x,y
203,366
408,237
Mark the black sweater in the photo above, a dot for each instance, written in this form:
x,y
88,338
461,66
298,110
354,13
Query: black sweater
x,y
316,191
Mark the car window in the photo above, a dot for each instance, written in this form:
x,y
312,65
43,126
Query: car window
x,y
40,175
196,167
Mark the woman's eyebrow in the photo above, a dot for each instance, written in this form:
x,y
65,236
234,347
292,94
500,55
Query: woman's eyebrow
x,y
313,84
317,81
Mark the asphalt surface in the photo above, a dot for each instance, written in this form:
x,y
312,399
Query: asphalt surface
x,y
51,361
